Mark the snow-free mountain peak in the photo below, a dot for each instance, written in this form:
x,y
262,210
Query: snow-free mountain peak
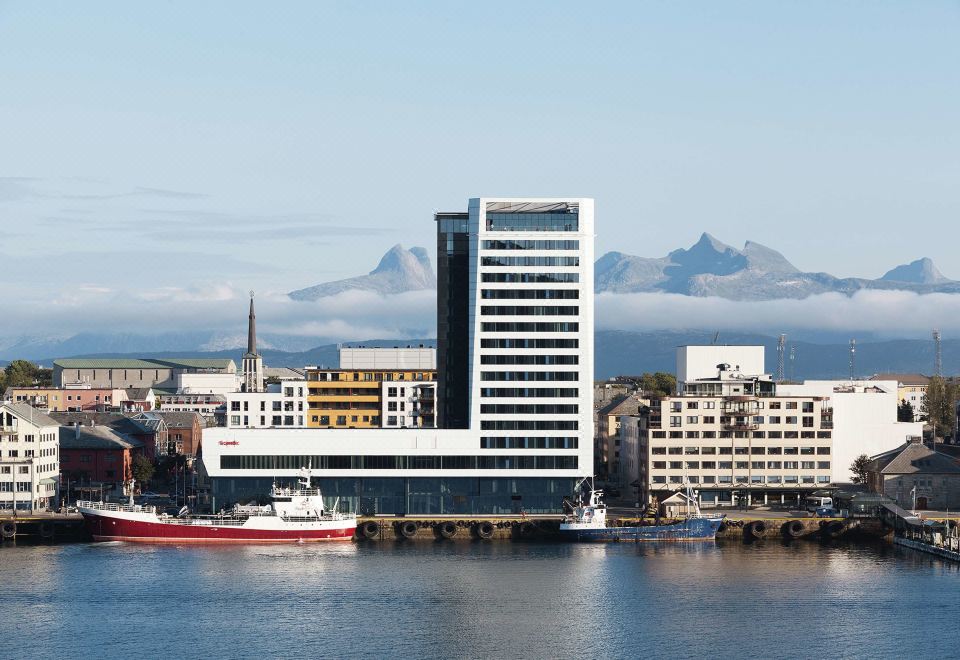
x,y
399,270
760,257
921,271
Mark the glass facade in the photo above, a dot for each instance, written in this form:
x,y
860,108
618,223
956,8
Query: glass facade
x,y
413,495
562,220
453,313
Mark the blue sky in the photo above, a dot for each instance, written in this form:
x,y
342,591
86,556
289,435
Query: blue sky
x,y
185,146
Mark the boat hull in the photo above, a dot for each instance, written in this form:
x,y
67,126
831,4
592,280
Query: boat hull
x,y
140,530
693,529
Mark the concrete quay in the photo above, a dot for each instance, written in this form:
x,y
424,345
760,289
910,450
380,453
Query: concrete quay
x,y
42,526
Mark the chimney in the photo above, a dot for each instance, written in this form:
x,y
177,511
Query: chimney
x,y
76,430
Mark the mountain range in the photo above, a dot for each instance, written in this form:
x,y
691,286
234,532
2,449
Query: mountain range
x,y
708,268
712,268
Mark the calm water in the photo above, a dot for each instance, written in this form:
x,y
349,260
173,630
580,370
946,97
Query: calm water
x,y
478,600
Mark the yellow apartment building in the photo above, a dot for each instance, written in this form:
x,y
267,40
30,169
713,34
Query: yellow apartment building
x,y
363,399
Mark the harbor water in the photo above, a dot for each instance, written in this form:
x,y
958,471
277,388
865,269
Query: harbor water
x,y
461,599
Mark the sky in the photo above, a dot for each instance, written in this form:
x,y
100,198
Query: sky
x,y
180,151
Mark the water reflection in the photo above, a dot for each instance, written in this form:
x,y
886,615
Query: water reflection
x,y
478,600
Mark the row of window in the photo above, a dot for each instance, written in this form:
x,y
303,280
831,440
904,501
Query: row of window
x,y
529,310
529,294
530,327
369,376
529,409
741,451
529,392
529,375
677,406
531,245
275,420
772,435
522,442
22,487
276,406
527,425
530,359
399,462
519,342
743,479
529,261
341,420
533,222
677,420
21,469
742,465
530,278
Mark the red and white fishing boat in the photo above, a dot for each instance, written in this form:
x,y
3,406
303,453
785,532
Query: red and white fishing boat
x,y
294,515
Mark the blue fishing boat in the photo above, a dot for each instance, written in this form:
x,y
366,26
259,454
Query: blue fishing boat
x,y
587,521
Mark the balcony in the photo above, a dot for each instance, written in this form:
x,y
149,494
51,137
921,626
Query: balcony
x,y
741,426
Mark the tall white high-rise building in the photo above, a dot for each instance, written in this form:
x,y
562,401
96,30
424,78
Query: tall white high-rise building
x,y
515,323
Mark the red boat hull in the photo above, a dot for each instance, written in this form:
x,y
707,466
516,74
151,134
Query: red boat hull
x,y
104,528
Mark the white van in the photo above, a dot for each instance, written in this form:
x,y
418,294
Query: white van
x,y
814,503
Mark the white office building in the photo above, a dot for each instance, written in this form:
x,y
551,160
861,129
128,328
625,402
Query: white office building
x,y
739,437
515,368
29,458
281,405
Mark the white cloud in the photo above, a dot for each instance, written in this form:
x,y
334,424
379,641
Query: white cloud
x,y
884,313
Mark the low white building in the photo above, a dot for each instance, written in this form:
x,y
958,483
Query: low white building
x,y
864,418
29,458
281,405
207,383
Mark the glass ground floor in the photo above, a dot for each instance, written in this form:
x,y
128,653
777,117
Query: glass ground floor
x,y
792,498
412,495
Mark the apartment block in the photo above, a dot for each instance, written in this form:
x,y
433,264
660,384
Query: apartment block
x,y
29,458
741,438
345,398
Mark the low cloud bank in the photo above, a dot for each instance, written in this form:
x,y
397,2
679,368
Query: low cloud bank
x,y
357,315
900,314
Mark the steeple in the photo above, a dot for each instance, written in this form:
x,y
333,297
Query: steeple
x,y
252,330
252,362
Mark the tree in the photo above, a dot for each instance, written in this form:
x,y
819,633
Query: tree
x,y
860,467
660,383
905,411
939,406
142,469
23,373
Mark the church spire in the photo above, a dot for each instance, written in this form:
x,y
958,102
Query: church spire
x,y
252,330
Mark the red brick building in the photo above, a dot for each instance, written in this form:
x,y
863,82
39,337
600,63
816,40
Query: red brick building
x,y
91,455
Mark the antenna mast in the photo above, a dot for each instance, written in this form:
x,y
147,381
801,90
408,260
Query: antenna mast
x,y
938,354
781,349
853,358
793,360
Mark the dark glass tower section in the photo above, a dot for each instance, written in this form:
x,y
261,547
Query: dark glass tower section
x,y
453,319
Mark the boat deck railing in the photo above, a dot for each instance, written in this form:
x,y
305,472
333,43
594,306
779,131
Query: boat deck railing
x,y
110,506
